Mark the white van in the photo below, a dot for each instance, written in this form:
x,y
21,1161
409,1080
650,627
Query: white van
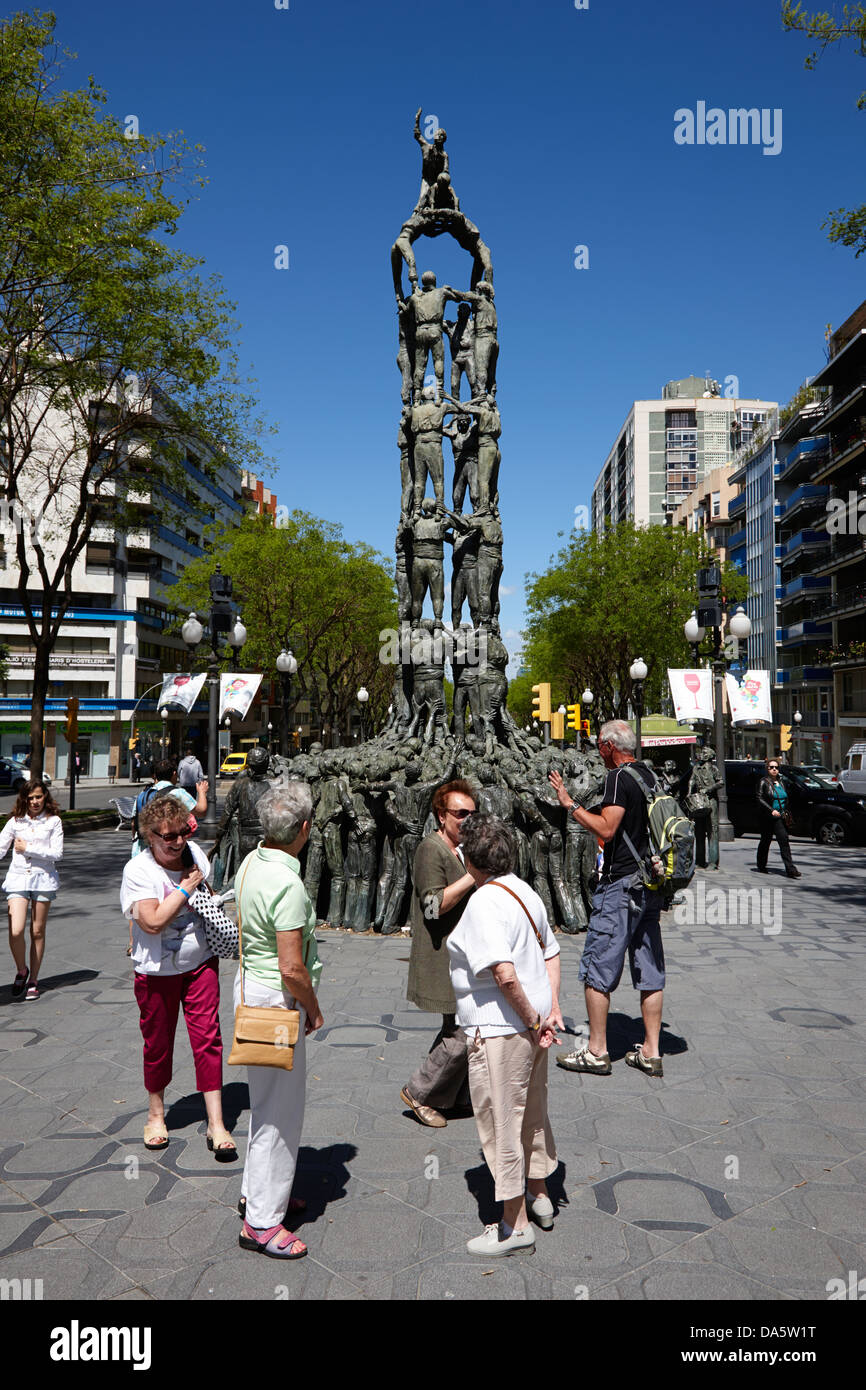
x,y
852,778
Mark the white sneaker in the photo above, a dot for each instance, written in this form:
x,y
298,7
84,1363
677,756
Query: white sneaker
x,y
493,1243
540,1210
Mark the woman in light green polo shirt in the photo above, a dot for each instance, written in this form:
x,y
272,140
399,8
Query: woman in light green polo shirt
x,y
281,969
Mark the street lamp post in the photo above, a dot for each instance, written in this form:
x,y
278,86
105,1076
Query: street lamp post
x,y
270,731
739,626
638,674
562,711
163,714
287,666
798,719
363,697
586,700
192,633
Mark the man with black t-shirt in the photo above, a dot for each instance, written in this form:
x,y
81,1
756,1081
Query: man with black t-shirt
x,y
625,914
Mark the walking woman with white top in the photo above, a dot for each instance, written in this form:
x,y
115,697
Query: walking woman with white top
x,y
35,832
505,971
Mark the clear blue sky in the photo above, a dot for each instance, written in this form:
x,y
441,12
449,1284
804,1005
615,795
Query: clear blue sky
x,y
560,129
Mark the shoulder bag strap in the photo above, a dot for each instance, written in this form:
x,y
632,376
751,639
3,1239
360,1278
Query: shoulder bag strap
x,y
495,884
240,931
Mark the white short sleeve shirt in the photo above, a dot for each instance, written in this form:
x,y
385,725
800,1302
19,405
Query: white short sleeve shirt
x,y
182,945
495,928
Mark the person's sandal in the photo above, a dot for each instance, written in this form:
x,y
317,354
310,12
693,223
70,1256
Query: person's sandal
x,y
155,1136
650,1066
275,1242
224,1150
33,991
19,984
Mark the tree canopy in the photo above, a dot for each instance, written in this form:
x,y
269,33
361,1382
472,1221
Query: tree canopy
x,y
847,225
116,357
607,598
303,586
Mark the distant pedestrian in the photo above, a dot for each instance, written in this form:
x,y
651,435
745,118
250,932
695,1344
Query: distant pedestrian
x,y
136,767
174,967
36,833
775,820
190,771
505,971
441,889
165,782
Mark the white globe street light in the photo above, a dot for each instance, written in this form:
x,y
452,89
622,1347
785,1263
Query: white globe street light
x,y
238,635
739,624
638,670
587,697
363,696
693,630
192,631
286,663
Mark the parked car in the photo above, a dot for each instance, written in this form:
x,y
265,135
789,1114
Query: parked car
x,y
821,811
15,775
233,764
853,774
819,770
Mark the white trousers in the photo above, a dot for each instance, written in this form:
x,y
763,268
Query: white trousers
x,y
276,1118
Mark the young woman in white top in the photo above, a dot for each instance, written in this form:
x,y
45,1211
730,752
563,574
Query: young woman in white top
x,y
35,832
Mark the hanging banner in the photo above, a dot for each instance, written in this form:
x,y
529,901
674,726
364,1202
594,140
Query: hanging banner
x,y
692,694
180,689
236,694
749,699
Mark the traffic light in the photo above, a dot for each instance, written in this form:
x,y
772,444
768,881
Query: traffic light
x,y
557,725
585,726
709,610
70,728
541,703
785,737
573,716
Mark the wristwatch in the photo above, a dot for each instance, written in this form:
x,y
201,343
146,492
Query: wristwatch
x,y
573,807
537,1024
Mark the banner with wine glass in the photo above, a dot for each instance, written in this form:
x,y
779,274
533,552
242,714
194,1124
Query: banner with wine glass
x,y
749,699
692,694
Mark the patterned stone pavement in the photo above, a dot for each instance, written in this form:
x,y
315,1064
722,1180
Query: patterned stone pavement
x,y
737,1176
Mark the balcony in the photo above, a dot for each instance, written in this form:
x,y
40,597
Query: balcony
x,y
844,550
803,457
804,675
846,601
737,538
803,543
808,495
803,584
806,631
736,506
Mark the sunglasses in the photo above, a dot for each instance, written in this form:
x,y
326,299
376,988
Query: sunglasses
x,y
458,815
174,835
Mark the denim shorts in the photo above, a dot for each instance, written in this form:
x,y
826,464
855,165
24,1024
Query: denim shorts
x,y
625,917
35,897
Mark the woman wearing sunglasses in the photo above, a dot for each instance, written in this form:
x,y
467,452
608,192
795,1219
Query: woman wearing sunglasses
x,y
174,967
35,832
773,802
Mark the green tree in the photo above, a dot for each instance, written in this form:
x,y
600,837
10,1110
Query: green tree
x,y
116,358
304,587
608,598
847,225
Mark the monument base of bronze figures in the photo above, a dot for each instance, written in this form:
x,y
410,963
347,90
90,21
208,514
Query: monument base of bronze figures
x,y
372,803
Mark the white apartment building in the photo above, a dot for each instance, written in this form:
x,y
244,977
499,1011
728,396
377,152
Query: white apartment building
x,y
112,645
667,446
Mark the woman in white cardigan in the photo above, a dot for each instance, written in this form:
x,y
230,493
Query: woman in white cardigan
x,y
35,832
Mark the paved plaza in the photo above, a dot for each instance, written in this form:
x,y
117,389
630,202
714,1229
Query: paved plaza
x,y
739,1175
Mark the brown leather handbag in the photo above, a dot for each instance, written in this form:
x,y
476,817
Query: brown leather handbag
x,y
264,1036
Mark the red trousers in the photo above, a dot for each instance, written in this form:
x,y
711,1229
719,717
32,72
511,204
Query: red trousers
x,y
159,999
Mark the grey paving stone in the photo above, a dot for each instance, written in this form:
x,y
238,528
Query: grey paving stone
x,y
67,1269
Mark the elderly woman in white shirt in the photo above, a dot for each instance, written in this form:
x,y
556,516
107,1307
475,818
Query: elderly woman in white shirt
x,y
505,973
174,967
36,833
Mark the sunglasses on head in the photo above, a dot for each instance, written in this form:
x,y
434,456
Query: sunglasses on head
x,y
174,835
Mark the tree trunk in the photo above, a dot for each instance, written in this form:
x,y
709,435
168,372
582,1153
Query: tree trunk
x,y
37,709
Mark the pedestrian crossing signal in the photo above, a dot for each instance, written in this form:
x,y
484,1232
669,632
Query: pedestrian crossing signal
x,y
585,726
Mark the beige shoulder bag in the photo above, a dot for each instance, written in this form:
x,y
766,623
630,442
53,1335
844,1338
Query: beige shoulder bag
x,y
264,1036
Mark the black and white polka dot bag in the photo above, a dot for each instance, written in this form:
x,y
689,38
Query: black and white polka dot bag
x,y
221,932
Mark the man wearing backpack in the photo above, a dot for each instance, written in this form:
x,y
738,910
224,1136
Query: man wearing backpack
x,y
165,783
625,912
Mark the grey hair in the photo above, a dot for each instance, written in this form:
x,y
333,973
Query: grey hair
x,y
283,811
489,843
619,734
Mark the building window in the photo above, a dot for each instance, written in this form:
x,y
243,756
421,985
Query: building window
x,y
681,419
99,558
716,499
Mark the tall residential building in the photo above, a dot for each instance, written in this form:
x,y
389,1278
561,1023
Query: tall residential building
x,y
112,647
706,509
667,446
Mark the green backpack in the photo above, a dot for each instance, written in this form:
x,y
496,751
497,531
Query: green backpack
x,y
671,864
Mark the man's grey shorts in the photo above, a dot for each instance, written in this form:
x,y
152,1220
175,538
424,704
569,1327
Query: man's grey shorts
x,y
625,917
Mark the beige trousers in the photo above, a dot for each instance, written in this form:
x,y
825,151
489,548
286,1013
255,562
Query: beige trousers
x,y
508,1084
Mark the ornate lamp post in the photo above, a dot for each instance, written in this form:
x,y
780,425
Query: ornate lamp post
x,y
270,731
363,697
163,714
287,667
586,700
798,719
638,673
192,633
739,626
563,712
